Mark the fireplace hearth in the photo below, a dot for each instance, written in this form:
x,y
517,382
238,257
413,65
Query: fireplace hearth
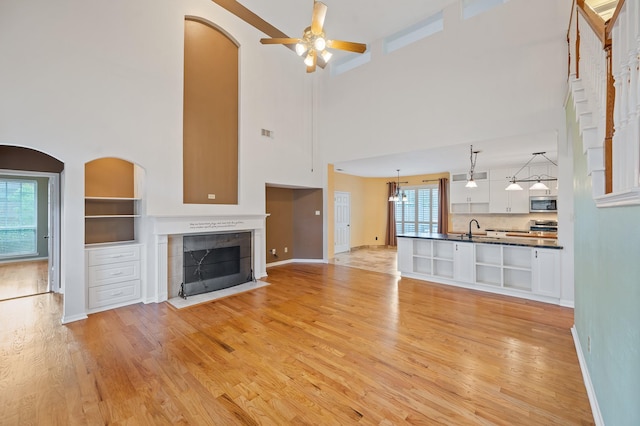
x,y
215,261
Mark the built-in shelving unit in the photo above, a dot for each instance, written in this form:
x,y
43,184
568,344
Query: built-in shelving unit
x,y
530,272
112,207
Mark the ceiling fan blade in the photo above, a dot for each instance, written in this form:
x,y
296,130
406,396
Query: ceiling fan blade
x,y
317,19
280,40
347,45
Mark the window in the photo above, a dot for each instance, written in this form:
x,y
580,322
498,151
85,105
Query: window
x,y
471,8
349,62
414,33
18,217
420,212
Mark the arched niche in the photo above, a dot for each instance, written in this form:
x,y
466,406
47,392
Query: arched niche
x,y
210,114
113,200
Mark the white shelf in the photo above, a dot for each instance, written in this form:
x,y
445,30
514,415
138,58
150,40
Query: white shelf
x,y
108,216
113,198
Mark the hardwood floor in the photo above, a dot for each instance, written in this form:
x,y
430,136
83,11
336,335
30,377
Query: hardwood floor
x,y
19,279
323,344
380,259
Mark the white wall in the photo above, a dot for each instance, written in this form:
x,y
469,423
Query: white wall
x,y
499,74
86,79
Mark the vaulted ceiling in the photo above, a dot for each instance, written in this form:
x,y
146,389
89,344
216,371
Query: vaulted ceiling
x,y
367,21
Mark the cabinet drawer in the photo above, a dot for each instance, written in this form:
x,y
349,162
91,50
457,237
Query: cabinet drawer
x,y
114,293
109,255
113,273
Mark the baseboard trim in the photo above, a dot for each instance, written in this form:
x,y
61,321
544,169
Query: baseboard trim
x,y
591,392
73,318
285,262
567,303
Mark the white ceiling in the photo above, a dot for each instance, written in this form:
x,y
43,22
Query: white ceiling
x,y
362,21
366,21
493,154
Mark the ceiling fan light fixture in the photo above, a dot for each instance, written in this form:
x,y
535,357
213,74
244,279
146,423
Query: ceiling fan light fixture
x,y
326,55
320,44
308,61
301,49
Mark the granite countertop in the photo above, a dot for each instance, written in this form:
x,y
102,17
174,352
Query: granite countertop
x,y
482,238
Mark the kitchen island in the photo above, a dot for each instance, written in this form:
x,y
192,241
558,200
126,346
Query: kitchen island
x,y
521,267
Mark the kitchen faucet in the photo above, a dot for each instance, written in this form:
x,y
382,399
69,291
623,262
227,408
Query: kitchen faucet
x,y
470,222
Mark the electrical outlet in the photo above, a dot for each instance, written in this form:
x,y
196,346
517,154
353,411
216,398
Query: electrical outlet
x,y
273,251
211,196
286,249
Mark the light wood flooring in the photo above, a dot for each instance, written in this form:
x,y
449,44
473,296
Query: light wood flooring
x,y
380,259
323,344
19,279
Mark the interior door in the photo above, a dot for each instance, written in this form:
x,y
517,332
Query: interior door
x,y
342,219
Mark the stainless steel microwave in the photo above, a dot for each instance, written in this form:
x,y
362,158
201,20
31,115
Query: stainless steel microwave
x,y
543,204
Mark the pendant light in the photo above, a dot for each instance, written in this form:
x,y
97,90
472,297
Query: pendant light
x,y
539,185
399,194
472,157
537,179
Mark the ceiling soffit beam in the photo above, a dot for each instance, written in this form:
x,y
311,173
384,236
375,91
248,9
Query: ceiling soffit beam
x,y
252,19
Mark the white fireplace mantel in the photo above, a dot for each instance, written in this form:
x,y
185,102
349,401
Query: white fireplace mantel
x,y
163,226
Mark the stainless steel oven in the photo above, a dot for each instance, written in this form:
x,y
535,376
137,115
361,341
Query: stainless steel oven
x,y
543,204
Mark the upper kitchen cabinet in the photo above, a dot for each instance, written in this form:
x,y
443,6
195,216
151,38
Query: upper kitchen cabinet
x,y
544,171
469,200
503,201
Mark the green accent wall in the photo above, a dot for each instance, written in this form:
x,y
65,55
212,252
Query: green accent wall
x,y
607,293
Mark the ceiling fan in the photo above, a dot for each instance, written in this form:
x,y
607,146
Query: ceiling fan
x,y
313,43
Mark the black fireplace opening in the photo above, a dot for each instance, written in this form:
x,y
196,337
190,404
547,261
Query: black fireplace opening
x,y
215,261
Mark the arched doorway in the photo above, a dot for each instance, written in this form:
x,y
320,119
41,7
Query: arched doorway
x,y
29,222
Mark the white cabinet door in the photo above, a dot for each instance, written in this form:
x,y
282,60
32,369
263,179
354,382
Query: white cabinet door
x,y
503,201
405,254
458,193
499,202
463,262
518,201
546,272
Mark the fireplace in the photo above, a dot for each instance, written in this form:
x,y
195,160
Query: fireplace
x,y
165,275
215,261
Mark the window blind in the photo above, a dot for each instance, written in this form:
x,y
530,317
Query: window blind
x,y
18,217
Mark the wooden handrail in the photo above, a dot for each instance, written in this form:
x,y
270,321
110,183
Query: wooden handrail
x,y
597,24
609,124
614,18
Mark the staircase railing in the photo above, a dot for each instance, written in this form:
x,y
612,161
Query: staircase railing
x,y
604,67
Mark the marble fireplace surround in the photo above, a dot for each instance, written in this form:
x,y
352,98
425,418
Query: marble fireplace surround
x,y
168,227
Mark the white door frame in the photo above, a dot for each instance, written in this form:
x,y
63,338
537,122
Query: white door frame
x,y
54,223
338,229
